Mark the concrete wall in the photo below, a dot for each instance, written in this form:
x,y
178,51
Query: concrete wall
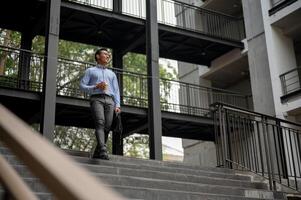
x,y
196,152
201,153
243,87
270,53
188,72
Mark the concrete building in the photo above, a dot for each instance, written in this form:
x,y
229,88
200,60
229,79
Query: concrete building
x,y
268,68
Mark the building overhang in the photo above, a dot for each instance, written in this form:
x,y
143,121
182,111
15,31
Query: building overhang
x,y
228,69
288,20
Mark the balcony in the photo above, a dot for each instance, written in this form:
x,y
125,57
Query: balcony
x,y
204,35
291,84
183,105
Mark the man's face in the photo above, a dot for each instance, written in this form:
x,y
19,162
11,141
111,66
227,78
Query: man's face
x,y
104,57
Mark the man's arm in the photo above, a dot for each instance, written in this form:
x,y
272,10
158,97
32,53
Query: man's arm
x,y
116,94
85,81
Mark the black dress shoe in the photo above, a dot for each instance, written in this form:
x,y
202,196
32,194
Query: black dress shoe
x,y
104,156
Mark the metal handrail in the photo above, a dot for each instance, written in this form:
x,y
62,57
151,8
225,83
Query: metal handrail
x,y
69,181
13,183
297,68
222,91
119,70
250,112
174,91
260,143
134,73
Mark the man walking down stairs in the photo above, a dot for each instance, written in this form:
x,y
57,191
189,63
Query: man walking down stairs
x,y
157,180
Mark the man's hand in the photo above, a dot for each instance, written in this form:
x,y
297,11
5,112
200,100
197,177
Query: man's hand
x,y
117,110
102,85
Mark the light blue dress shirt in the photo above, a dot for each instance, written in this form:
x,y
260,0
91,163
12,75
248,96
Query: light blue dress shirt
x,y
97,74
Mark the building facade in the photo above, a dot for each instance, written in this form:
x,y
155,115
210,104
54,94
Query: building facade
x,y
267,69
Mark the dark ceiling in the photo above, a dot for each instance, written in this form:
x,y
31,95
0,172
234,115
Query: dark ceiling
x,y
84,24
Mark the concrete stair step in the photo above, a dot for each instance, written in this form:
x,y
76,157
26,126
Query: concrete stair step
x,y
98,162
40,195
123,159
161,194
118,180
141,179
144,173
24,172
148,193
151,183
200,172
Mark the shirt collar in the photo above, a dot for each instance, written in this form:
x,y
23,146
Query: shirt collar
x,y
101,66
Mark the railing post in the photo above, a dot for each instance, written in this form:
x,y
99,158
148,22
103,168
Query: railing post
x,y
117,6
183,16
223,135
217,143
271,154
283,159
188,98
228,139
267,150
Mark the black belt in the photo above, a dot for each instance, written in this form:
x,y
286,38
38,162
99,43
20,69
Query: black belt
x,y
100,95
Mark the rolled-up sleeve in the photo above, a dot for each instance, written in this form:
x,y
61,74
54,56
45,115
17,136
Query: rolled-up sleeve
x,y
85,81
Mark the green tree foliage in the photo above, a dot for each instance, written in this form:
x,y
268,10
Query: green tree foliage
x,y
70,65
136,146
8,57
74,138
135,85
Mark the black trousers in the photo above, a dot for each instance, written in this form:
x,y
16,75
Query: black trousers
x,y
102,108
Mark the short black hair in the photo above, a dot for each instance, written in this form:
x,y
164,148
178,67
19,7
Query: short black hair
x,y
98,52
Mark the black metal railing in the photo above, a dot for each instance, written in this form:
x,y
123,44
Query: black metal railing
x,y
265,145
175,96
277,5
182,15
278,2
290,81
102,4
179,14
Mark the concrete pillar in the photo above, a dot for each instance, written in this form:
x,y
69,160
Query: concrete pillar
x,y
48,99
258,58
152,57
